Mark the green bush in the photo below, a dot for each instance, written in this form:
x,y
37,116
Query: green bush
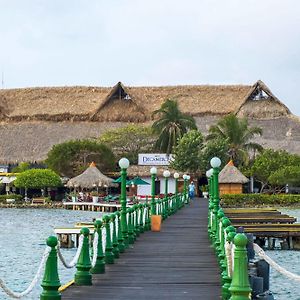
x,y
17,197
259,200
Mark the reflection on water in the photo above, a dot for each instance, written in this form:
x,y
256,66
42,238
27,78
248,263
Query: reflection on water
x,y
22,243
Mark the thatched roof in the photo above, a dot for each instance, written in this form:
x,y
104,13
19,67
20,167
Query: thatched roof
x,y
230,174
129,104
91,178
144,171
261,103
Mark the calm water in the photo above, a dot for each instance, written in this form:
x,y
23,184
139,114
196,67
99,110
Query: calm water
x,y
22,243
282,287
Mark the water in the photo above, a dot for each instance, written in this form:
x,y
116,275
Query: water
x,y
22,243
282,287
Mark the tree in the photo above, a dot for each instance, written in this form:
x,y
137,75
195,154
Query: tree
x,y
129,141
268,167
72,157
216,147
171,125
37,179
238,136
286,175
187,152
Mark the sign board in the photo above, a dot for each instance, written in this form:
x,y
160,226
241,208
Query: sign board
x,y
151,159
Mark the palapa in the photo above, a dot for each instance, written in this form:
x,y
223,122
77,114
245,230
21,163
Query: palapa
x,y
91,178
231,174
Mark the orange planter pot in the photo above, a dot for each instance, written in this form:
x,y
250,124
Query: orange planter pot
x,y
155,223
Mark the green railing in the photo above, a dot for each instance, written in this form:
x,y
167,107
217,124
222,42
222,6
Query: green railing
x,y
229,246
107,242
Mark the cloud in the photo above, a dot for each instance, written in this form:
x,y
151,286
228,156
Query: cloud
x,y
152,42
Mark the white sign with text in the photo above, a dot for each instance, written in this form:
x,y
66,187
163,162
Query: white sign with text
x,y
151,159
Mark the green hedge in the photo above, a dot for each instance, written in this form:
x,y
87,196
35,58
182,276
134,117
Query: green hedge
x,y
259,199
17,197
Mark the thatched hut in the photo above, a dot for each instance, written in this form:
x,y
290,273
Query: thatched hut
x,y
231,180
35,119
91,178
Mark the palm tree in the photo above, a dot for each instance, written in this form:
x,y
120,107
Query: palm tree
x,y
238,136
171,125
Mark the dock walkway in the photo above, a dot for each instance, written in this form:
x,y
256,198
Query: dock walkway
x,y
176,263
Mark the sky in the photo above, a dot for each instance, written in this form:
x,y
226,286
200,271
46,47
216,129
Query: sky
x,y
154,42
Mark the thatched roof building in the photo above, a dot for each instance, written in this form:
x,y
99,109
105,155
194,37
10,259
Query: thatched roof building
x,y
231,180
34,119
231,174
90,179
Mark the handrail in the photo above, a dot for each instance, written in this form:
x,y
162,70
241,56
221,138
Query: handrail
x,y
107,235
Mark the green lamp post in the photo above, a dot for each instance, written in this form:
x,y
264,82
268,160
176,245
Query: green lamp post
x,y
124,164
153,172
166,174
215,162
176,205
184,187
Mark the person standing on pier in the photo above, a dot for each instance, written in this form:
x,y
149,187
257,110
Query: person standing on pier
x,y
192,190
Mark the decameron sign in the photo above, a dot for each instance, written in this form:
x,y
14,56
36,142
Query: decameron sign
x,y
150,159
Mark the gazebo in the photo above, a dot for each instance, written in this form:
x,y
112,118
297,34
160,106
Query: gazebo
x,y
231,180
90,179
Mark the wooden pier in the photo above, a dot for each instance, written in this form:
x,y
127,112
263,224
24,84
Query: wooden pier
x,y
91,206
176,263
267,226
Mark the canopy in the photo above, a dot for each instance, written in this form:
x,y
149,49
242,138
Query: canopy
x,y
91,178
118,180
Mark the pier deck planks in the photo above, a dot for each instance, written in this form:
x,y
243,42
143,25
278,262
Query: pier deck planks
x,y
176,263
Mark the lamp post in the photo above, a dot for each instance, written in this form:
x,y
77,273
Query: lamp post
x,y
176,206
215,162
124,164
187,187
153,172
166,174
184,188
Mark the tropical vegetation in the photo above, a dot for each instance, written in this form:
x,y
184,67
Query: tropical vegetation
x,y
129,141
171,125
238,136
187,154
73,157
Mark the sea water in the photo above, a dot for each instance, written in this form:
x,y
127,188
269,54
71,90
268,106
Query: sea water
x,y
24,232
23,240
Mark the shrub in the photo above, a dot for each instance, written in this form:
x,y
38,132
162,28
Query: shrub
x,y
17,197
259,200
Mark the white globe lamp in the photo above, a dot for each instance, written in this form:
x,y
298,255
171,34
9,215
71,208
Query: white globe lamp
x,y
124,163
215,162
166,173
153,171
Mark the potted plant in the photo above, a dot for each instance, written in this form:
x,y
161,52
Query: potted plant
x,y
204,191
95,196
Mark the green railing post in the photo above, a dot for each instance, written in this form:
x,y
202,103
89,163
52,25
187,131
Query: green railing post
x,y
141,213
121,244
184,188
240,288
176,176
148,216
51,283
136,220
153,172
220,215
215,163
83,275
109,255
226,279
124,164
99,267
115,243
225,223
130,226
